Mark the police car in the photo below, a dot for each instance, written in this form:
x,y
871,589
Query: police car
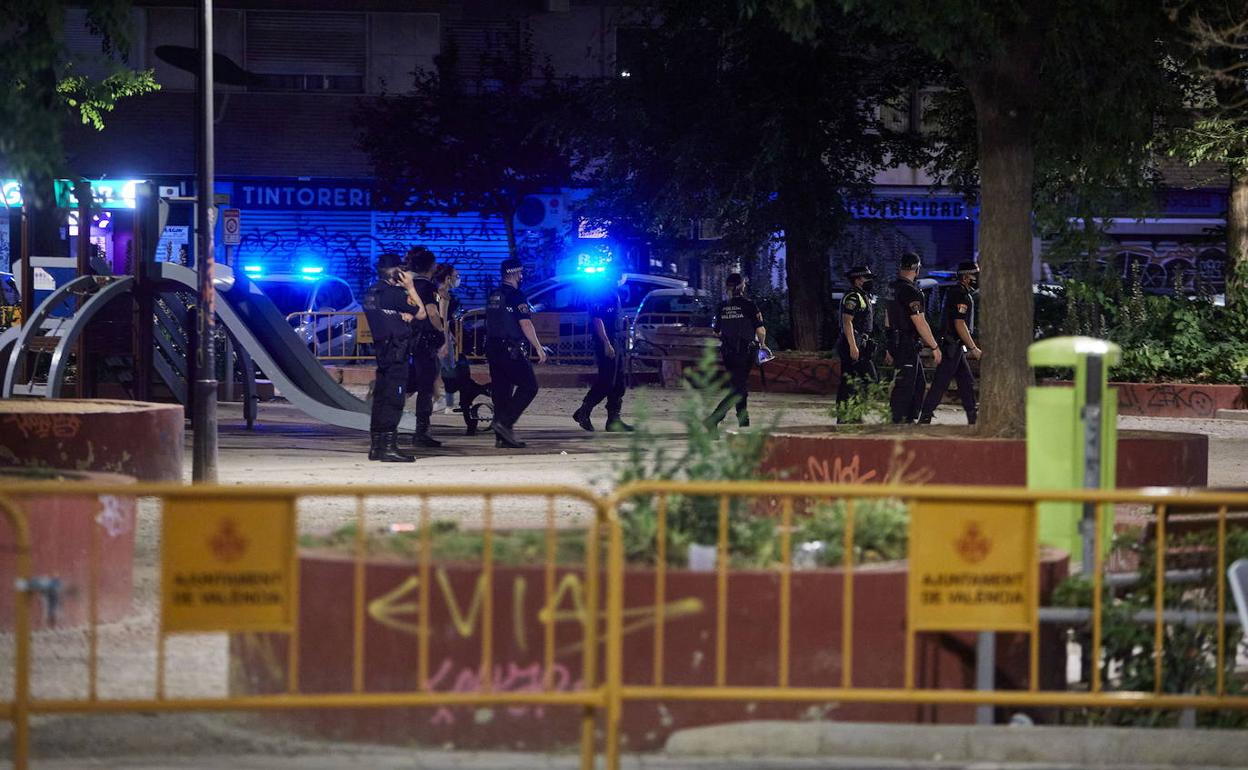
x,y
321,308
561,310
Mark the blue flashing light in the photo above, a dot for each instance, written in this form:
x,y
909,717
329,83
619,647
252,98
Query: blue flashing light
x,y
252,269
312,269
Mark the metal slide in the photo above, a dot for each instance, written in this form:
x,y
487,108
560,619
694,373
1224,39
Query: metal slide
x,y
258,326
99,291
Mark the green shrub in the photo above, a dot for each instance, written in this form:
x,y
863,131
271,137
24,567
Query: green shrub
x,y
1163,338
1189,651
881,530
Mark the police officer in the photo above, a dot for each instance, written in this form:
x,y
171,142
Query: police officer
x,y
907,333
609,349
854,345
428,336
390,306
957,326
509,338
741,334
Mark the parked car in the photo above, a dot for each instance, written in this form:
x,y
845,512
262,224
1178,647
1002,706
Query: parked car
x,y
561,311
672,323
321,309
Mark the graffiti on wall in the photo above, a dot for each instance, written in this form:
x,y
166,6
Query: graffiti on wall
x,y
1161,266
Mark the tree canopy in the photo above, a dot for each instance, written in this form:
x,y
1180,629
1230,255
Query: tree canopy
x,y
727,118
45,85
469,138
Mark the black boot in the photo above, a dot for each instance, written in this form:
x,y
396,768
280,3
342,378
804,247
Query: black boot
x,y
389,452
581,418
421,437
470,420
743,419
376,441
616,425
505,439
925,419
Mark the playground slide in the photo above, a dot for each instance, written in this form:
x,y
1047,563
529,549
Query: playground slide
x,y
261,329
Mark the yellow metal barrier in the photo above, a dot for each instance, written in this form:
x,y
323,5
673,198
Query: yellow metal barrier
x,y
185,510
783,496
336,335
605,691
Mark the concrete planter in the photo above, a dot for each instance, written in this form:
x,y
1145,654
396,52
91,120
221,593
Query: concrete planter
x,y
520,607
133,438
1178,399
951,455
61,530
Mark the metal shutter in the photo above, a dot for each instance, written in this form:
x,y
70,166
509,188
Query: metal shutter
x,y
306,43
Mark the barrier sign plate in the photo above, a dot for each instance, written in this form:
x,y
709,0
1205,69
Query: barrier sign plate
x,y
228,565
972,566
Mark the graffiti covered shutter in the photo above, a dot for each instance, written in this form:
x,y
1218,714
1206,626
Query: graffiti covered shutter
x,y
285,241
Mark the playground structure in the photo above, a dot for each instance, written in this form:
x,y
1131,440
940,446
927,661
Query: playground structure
x,y
131,334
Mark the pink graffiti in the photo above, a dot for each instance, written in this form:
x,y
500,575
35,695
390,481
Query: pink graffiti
x,y
512,678
44,425
838,473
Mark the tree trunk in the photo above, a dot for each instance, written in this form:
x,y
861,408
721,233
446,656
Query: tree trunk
x,y
1006,170
1237,238
806,273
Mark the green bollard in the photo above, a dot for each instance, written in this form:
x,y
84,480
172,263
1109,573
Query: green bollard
x,y
1072,439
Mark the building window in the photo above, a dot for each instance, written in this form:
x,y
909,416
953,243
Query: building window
x,y
307,51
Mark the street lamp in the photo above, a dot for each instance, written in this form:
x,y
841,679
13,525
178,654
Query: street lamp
x,y
204,412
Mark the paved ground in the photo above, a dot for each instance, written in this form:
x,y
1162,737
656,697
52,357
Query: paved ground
x,y
286,448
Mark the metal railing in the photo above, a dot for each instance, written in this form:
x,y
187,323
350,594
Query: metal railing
x,y
718,509
567,336
334,335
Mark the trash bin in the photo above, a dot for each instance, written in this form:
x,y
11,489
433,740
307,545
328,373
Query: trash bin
x,y
1072,438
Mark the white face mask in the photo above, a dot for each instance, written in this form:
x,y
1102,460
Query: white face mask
x,y
455,281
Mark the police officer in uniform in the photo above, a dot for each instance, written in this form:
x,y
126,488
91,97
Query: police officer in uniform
x,y
854,345
957,326
390,306
907,333
609,348
741,333
428,336
509,339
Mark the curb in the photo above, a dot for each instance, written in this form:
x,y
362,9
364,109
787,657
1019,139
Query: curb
x,y
1233,414
1079,746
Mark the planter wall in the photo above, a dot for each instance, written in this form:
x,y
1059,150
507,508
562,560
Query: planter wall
x,y
133,438
1145,458
1150,399
61,528
258,661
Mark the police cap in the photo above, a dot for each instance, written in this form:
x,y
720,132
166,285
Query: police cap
x,y
859,271
510,265
386,261
968,266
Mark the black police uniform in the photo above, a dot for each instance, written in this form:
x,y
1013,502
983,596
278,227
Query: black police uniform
x,y
904,344
383,304
858,304
959,306
737,320
426,340
609,384
513,383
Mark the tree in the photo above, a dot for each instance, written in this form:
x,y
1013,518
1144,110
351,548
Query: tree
x,y
43,87
1063,92
727,118
1216,36
461,142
